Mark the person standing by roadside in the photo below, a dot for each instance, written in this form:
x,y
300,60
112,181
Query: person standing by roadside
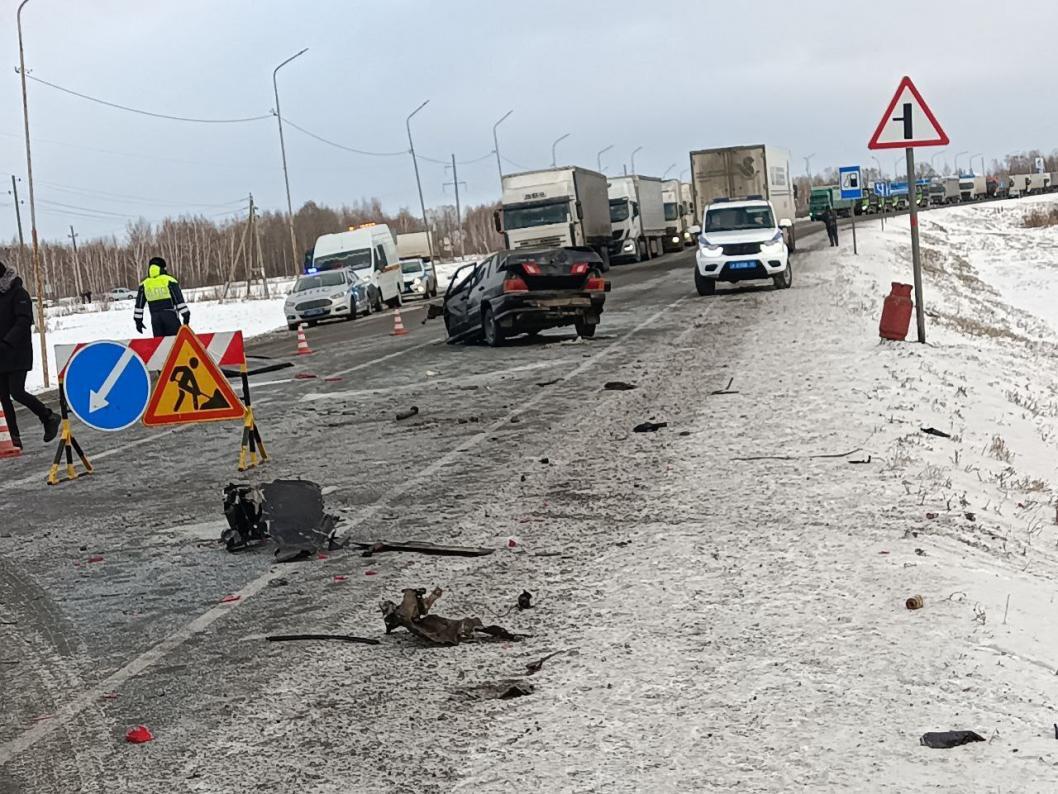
x,y
830,220
16,356
160,294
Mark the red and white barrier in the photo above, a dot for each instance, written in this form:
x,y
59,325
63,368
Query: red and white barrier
x,y
224,347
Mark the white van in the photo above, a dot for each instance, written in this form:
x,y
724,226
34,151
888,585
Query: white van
x,y
371,251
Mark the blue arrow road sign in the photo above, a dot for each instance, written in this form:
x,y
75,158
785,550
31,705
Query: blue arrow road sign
x,y
851,182
107,386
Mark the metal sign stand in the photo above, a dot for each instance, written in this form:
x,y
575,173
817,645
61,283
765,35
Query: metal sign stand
x,y
67,444
916,258
252,445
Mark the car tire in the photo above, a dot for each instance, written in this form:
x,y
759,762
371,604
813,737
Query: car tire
x,y
293,327
784,280
585,329
491,331
313,323
705,286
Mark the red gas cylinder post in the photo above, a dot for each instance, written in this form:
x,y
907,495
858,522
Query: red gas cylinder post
x,y
896,313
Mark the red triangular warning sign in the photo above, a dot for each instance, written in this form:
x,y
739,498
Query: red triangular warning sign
x,y
907,122
191,387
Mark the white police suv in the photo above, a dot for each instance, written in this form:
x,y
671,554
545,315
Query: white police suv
x,y
741,241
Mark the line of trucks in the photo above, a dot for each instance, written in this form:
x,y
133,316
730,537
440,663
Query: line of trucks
x,y
636,217
929,192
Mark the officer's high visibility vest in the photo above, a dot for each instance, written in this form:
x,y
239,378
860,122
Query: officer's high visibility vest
x,y
156,288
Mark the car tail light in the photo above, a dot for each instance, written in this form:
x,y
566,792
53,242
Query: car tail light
x,y
531,268
595,284
515,284
579,268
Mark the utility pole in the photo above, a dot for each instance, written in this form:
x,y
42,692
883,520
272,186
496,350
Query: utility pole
x,y
459,215
250,248
18,212
418,181
38,277
78,283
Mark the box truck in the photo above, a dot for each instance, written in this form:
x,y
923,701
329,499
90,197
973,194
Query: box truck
x,y
972,188
415,245
736,172
637,217
1029,184
565,206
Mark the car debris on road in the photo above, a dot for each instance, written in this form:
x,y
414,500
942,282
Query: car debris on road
x,y
413,614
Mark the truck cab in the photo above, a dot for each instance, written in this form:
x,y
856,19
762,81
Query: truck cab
x,y
819,202
674,216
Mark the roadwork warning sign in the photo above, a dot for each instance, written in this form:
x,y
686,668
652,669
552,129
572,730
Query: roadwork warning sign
x,y
191,388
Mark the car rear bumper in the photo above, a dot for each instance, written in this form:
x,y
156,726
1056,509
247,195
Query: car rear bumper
x,y
547,309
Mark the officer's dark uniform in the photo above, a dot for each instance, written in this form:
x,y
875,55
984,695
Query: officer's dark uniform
x,y
161,293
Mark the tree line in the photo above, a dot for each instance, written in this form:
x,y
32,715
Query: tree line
x,y
201,251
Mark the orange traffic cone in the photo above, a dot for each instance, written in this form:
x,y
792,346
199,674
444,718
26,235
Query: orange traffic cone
x,y
7,447
303,343
398,324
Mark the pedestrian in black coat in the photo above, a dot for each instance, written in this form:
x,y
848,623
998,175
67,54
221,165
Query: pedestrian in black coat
x,y
830,220
16,356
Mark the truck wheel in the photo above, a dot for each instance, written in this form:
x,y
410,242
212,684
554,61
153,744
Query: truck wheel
x,y
785,279
585,329
705,286
490,329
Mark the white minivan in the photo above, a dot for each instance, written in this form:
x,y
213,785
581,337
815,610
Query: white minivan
x,y
371,251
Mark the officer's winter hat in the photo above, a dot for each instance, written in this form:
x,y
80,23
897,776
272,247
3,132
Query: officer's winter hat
x,y
157,260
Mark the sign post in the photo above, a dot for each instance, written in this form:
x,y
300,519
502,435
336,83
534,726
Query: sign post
x,y
852,190
906,124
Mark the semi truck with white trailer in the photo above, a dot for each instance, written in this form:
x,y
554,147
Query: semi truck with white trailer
x,y
1029,184
675,219
564,206
972,188
637,217
737,172
691,229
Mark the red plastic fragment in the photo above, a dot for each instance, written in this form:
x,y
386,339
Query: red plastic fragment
x,y
340,577
139,735
96,558
370,573
229,598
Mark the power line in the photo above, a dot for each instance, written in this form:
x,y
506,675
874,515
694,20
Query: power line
x,y
321,139
145,112
124,198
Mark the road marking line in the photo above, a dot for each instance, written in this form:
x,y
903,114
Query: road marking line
x,y
64,714
386,357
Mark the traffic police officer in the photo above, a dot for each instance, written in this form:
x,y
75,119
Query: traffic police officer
x,y
161,293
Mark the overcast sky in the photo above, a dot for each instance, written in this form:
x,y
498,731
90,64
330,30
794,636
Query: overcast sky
x,y
670,77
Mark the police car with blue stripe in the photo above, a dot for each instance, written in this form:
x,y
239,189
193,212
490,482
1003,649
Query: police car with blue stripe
x,y
742,241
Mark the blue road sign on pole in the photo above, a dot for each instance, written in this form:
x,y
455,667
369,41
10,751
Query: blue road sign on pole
x,y
851,182
882,189
107,386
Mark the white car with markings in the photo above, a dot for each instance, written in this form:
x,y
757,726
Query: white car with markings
x,y
741,241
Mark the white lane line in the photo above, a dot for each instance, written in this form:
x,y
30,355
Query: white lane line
x,y
152,656
386,357
483,377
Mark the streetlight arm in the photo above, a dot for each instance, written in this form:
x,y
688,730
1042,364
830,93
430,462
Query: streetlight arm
x,y
274,71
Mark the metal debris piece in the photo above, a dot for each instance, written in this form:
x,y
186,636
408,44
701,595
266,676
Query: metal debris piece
x,y
242,509
649,427
726,389
296,521
402,415
525,600
413,614
534,667
618,385
338,637
932,431
500,690
944,740
422,547
915,602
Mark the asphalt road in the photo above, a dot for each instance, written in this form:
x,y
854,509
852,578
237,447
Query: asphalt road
x,y
110,586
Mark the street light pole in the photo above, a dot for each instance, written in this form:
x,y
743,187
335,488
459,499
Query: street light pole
x,y
496,143
932,157
808,166
878,163
598,158
667,170
637,149
957,156
18,214
684,171
37,277
418,182
283,151
558,140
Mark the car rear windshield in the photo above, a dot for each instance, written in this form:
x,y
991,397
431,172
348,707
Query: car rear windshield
x,y
536,215
411,267
319,280
733,219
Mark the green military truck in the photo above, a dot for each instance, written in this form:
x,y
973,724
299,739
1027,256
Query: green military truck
x,y
828,197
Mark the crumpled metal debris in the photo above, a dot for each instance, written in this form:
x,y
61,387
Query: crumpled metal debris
x,y
500,690
289,511
413,614
242,509
945,740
